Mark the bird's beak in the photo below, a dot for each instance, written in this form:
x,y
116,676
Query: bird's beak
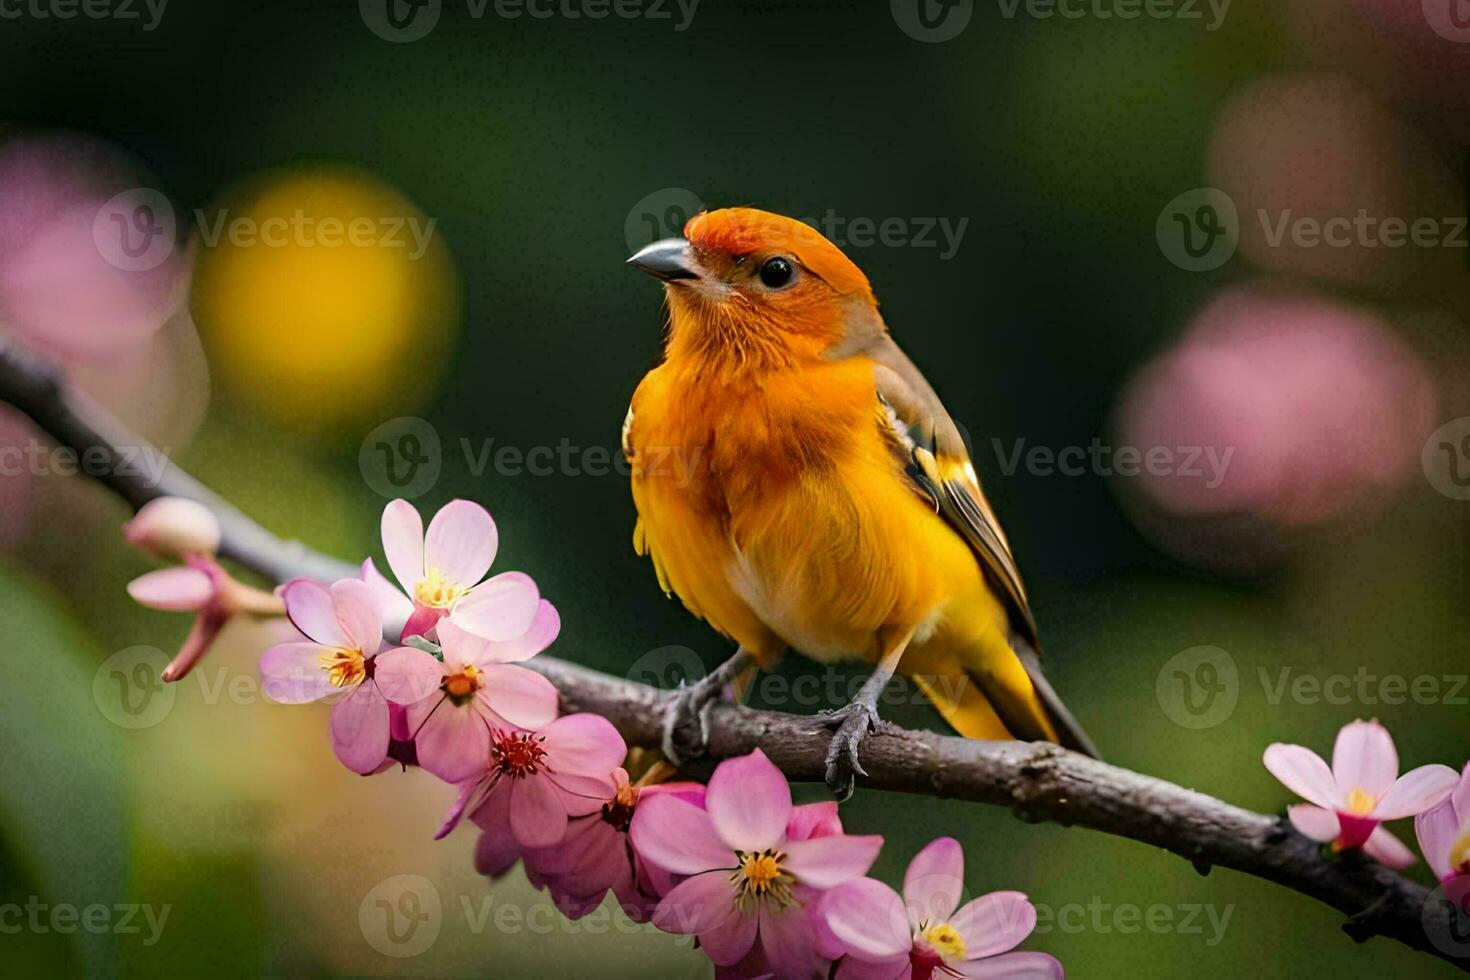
x,y
669,259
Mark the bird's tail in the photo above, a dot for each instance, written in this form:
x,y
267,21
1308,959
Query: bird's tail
x,y
983,699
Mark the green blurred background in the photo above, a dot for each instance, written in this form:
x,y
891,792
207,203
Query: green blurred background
x,y
535,145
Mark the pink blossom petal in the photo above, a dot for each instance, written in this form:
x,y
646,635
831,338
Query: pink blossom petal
x,y
309,605
1460,798
814,820
1416,791
584,744
728,943
202,634
749,801
393,606
678,837
172,590
461,542
356,608
407,675
994,923
786,937
421,621
827,861
537,817
500,608
1318,823
1387,849
544,628
581,795
1303,772
934,881
403,543
1364,758
453,743
520,696
893,968
1013,966
496,854
1437,829
868,918
462,647
698,904
467,797
359,728
291,673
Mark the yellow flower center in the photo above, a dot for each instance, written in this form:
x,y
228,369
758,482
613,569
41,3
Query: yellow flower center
x,y
437,592
1361,803
344,667
1460,855
760,876
946,941
463,684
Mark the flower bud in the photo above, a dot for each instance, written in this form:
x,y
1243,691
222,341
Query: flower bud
x,y
172,527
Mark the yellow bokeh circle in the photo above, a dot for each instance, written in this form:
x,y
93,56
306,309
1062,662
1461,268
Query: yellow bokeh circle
x,y
326,299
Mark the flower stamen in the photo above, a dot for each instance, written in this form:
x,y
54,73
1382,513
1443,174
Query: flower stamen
x,y
759,876
461,686
344,666
437,592
1360,803
945,940
518,754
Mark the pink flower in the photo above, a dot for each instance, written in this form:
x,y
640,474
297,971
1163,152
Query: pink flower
x,y
536,782
1444,837
593,858
203,587
441,572
344,632
173,527
925,931
747,881
1347,803
453,705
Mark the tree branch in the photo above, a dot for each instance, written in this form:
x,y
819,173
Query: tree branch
x,y
1038,781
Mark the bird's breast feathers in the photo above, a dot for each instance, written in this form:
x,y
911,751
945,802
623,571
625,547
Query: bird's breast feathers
x,y
781,506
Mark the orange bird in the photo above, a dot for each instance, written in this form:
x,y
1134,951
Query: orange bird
x,y
799,485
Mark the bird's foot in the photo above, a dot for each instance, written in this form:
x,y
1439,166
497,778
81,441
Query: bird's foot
x,y
689,704
853,724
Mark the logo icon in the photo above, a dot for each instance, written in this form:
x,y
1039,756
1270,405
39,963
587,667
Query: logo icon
x,y
1450,19
1446,459
401,916
661,214
932,21
135,231
401,458
1198,230
400,21
1447,922
667,668
129,688
1199,687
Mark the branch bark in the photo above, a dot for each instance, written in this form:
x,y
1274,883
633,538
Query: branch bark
x,y
1038,781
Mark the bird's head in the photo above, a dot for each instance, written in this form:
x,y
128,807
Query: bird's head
x,y
758,286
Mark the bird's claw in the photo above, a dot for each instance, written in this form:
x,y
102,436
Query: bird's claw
x,y
852,724
687,704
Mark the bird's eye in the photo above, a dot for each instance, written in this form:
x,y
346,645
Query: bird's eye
x,y
777,272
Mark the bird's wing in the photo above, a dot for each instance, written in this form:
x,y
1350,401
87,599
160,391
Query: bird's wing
x,y
940,464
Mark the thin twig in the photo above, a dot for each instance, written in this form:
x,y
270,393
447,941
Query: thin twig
x,y
1037,781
